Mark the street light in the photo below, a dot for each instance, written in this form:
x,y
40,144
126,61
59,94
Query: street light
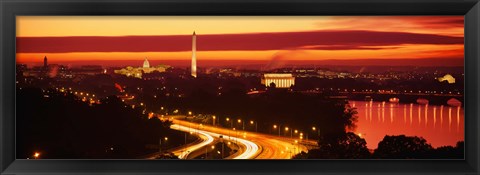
x,y
275,127
206,151
160,144
315,129
231,123
243,123
36,155
251,122
291,131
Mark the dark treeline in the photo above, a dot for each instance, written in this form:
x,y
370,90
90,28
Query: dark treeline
x,y
351,146
59,125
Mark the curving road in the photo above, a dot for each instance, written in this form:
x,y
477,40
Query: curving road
x,y
257,146
183,152
250,149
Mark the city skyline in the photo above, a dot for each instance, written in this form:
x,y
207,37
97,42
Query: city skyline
x,y
332,40
321,87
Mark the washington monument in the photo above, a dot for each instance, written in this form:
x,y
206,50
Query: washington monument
x,y
194,55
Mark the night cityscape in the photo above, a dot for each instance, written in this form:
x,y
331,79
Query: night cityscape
x,y
290,105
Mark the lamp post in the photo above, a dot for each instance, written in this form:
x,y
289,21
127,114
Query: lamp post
x,y
213,120
275,127
223,145
291,131
206,151
160,144
231,123
251,122
286,130
36,155
314,129
243,123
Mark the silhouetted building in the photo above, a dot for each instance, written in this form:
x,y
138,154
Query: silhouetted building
x,y
194,55
45,63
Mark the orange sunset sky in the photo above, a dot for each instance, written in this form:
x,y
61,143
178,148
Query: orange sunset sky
x,y
437,40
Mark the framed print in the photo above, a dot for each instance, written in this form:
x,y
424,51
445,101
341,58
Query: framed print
x,y
302,87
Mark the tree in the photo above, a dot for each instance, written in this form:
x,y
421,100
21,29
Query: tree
x,y
449,152
334,128
403,147
348,146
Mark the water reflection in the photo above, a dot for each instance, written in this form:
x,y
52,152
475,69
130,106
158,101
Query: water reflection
x,y
434,116
419,114
411,113
383,112
441,116
458,119
449,118
371,103
374,126
391,113
426,112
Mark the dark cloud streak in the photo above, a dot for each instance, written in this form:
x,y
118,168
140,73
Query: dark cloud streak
x,y
351,39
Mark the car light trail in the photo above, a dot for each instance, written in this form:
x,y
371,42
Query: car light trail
x,y
207,139
250,152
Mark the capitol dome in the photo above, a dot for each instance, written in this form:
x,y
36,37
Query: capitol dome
x,y
146,64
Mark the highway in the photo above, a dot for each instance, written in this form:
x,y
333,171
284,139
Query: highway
x,y
206,138
250,149
257,146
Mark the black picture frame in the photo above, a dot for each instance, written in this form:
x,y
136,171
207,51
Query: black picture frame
x,y
11,8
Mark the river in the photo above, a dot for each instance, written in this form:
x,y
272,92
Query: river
x,y
439,125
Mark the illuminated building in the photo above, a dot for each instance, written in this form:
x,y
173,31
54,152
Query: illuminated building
x,y
281,80
194,55
449,78
146,64
137,72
